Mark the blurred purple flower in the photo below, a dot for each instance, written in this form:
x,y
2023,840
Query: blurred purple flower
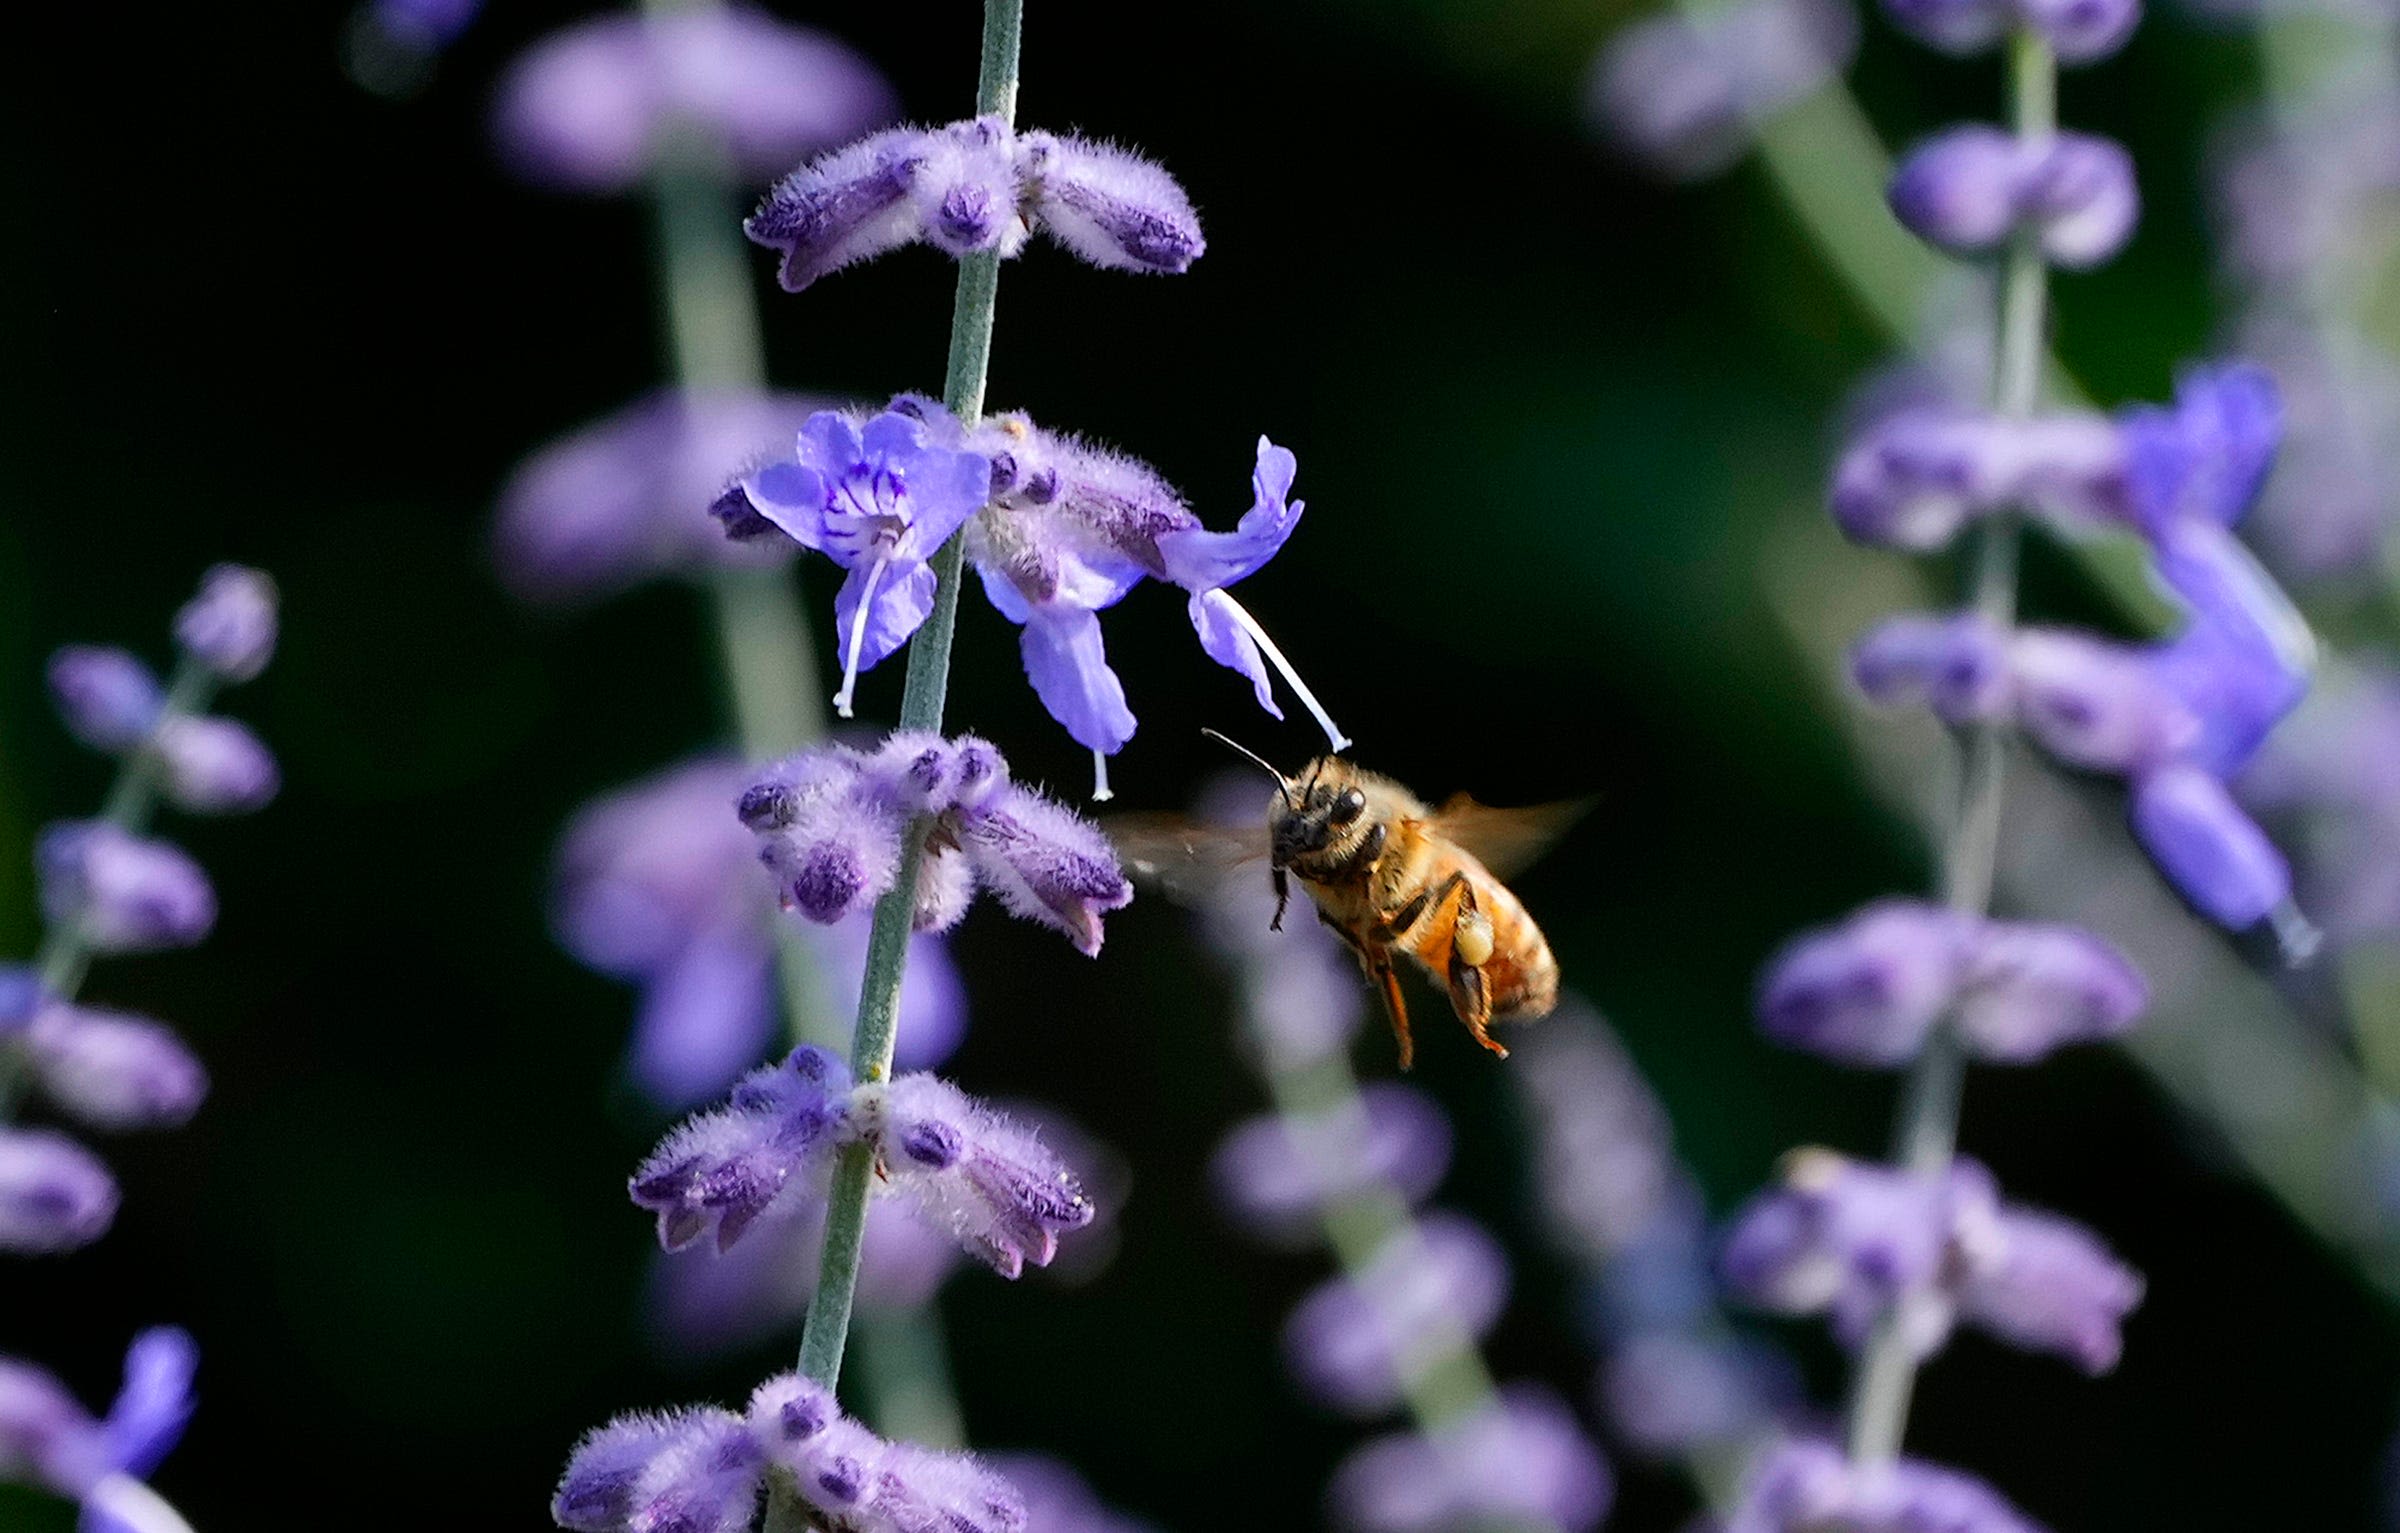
x,y
1970,190
122,892
1356,1340
625,499
1914,478
692,1471
50,1441
1279,1174
1810,1487
108,699
216,766
231,625
1684,96
2078,31
1524,1459
596,107
114,1071
54,1194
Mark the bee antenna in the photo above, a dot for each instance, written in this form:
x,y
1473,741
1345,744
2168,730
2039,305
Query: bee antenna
x,y
1283,784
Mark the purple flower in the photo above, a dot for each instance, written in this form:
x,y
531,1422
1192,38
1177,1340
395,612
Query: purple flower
x,y
1972,189
692,1471
230,626
1673,1393
973,186
878,501
1684,96
967,1169
832,821
619,501
1952,26
1850,1240
123,893
1279,1174
1868,991
1355,1342
2204,458
1914,478
54,1194
718,1172
49,1440
115,1071
1806,1486
595,108
107,698
21,998
1956,665
2078,31
216,766
864,1484
1522,1460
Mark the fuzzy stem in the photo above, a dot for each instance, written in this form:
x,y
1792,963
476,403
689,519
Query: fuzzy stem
x,y
921,703
1926,1135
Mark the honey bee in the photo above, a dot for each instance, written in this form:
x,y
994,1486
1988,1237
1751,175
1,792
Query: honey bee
x,y
1391,875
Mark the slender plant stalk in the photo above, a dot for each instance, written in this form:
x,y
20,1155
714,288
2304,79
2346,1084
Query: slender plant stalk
x,y
921,703
1926,1136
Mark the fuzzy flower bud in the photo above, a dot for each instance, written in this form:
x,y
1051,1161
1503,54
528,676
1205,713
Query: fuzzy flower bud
x,y
976,186
1970,190
693,1471
720,1171
216,766
107,698
230,625
54,1194
1046,864
989,1181
115,1071
126,894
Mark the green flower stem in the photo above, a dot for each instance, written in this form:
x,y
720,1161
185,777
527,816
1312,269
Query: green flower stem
x,y
1926,1136
921,703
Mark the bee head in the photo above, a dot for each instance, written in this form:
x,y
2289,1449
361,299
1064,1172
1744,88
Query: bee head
x,y
1317,813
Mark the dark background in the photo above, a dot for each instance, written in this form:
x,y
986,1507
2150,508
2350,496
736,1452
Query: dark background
x,y
1545,413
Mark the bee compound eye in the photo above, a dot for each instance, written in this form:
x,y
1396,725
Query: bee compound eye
x,y
1349,806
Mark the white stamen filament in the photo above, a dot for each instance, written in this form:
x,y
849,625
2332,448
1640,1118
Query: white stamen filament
x,y
858,638
1275,658
135,1505
1101,793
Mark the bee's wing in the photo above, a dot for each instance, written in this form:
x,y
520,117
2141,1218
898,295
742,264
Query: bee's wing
x,y
1507,841
1190,860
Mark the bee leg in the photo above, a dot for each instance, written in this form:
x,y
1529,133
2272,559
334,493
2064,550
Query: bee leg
x,y
1283,897
1387,981
1470,949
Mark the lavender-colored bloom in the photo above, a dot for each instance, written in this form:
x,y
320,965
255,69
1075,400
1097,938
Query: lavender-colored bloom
x,y
1356,1340
718,1172
923,1488
1280,1173
1057,1499
2078,31
108,699
866,1485
1970,190
878,501
216,766
1850,1239
1047,864
972,186
1522,1460
619,501
230,626
124,893
115,1071
1868,991
596,107
2204,458
54,1194
989,1181
1914,478
693,1471
1684,96
2048,1285
1108,205
2209,848
1806,1486
49,1440
1956,665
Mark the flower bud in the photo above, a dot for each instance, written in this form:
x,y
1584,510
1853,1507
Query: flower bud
x,y
124,893
216,766
230,626
54,1194
107,698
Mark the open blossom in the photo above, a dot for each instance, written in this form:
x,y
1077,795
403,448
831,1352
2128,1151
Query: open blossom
x,y
1848,1240
597,107
965,1169
976,185
617,502
50,1441
702,1470
1871,990
832,820
1061,530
